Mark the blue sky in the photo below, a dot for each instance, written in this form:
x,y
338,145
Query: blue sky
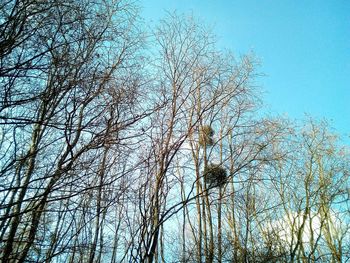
x,y
304,48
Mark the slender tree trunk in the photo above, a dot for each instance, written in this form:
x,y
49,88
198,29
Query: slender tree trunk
x,y
19,202
98,205
219,227
199,218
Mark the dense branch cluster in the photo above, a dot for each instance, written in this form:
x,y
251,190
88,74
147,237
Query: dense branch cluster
x,y
215,175
108,151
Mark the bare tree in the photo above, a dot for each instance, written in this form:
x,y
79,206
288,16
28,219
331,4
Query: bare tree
x,y
311,186
107,158
68,90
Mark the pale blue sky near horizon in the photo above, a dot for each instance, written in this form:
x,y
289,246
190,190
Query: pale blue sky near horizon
x,y
303,46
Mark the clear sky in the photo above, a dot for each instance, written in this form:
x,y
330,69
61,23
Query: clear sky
x,y
304,48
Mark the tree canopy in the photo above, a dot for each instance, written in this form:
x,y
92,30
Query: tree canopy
x,y
122,145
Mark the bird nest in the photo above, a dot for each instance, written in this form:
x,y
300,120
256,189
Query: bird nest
x,y
215,175
206,134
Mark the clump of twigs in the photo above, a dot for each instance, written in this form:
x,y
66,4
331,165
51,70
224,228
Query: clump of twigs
x,y
206,134
215,175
